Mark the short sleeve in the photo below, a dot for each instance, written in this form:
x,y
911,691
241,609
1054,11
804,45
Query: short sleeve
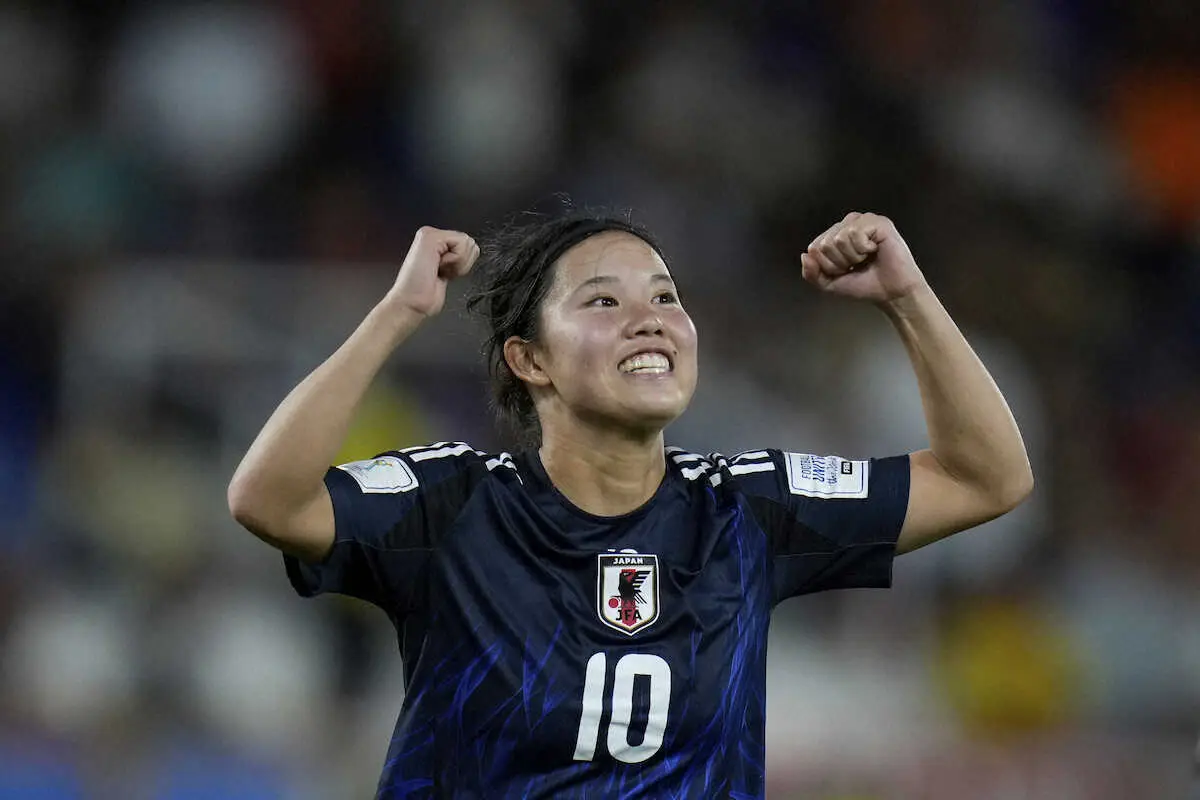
x,y
390,512
831,522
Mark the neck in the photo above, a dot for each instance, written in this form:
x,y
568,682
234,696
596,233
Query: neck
x,y
600,473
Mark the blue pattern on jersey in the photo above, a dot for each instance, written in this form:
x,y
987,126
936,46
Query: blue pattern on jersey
x,y
723,755
743,700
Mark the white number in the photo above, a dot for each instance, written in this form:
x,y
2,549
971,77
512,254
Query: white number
x,y
628,667
593,707
659,673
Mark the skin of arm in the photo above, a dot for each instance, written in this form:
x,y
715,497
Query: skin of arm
x,y
976,467
278,491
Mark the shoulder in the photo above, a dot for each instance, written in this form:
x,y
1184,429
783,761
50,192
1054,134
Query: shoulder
x,y
776,474
740,470
424,467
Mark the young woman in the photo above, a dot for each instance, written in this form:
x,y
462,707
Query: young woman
x,y
588,618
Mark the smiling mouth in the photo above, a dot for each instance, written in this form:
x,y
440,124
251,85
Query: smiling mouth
x,y
646,363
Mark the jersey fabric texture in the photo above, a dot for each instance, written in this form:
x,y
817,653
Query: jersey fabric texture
x,y
549,652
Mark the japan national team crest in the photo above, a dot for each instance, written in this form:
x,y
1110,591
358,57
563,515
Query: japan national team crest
x,y
627,590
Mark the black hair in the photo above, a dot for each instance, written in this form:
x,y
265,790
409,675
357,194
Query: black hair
x,y
512,277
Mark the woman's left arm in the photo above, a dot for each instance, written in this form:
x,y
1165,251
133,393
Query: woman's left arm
x,y
976,467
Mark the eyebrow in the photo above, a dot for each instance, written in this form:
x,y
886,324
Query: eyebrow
x,y
600,280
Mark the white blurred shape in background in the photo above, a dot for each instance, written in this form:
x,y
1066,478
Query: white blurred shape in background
x,y
70,662
1020,136
216,91
255,670
488,112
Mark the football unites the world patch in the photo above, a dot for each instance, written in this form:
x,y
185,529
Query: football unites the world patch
x,y
827,476
627,591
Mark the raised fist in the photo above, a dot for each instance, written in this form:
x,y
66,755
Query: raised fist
x,y
435,258
862,257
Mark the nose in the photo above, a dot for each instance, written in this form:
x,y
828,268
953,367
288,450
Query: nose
x,y
645,322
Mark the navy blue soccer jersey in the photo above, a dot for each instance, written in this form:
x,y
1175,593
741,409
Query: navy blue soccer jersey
x,y
549,652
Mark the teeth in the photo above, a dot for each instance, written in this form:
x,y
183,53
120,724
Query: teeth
x,y
653,363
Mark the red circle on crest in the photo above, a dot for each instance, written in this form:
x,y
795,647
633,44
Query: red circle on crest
x,y
613,602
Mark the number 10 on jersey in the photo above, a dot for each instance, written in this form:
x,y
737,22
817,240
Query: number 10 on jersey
x,y
627,668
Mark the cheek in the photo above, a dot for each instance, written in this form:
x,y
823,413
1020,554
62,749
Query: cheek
x,y
580,350
684,332
593,348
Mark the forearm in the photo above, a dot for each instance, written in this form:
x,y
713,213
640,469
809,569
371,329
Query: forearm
x,y
972,432
285,466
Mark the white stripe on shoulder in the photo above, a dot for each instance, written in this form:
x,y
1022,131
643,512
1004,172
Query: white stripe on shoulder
x,y
752,455
419,447
444,452
700,464
742,469
502,460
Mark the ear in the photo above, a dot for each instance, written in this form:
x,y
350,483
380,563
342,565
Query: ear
x,y
523,359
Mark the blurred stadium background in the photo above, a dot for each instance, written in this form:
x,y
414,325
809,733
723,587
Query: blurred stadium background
x,y
200,201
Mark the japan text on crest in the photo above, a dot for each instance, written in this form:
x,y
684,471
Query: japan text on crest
x,y
627,590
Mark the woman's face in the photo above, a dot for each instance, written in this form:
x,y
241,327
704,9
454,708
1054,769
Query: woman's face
x,y
615,346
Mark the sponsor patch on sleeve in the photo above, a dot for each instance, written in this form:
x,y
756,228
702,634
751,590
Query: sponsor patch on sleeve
x,y
826,476
383,475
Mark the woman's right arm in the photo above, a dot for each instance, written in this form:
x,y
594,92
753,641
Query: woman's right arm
x,y
278,491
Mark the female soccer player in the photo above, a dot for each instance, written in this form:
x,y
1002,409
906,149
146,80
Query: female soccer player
x,y
588,618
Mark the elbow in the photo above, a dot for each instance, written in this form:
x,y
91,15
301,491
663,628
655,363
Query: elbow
x,y
1015,489
282,525
243,505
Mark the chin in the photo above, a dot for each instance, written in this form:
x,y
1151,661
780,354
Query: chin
x,y
654,415
645,409
642,418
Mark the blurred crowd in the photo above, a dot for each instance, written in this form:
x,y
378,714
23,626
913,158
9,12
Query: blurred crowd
x,y
199,201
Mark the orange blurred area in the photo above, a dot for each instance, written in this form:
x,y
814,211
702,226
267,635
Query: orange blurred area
x,y
1157,120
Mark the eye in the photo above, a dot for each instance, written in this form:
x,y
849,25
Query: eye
x,y
666,297
603,300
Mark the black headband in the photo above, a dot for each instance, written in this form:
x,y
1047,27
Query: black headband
x,y
577,233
